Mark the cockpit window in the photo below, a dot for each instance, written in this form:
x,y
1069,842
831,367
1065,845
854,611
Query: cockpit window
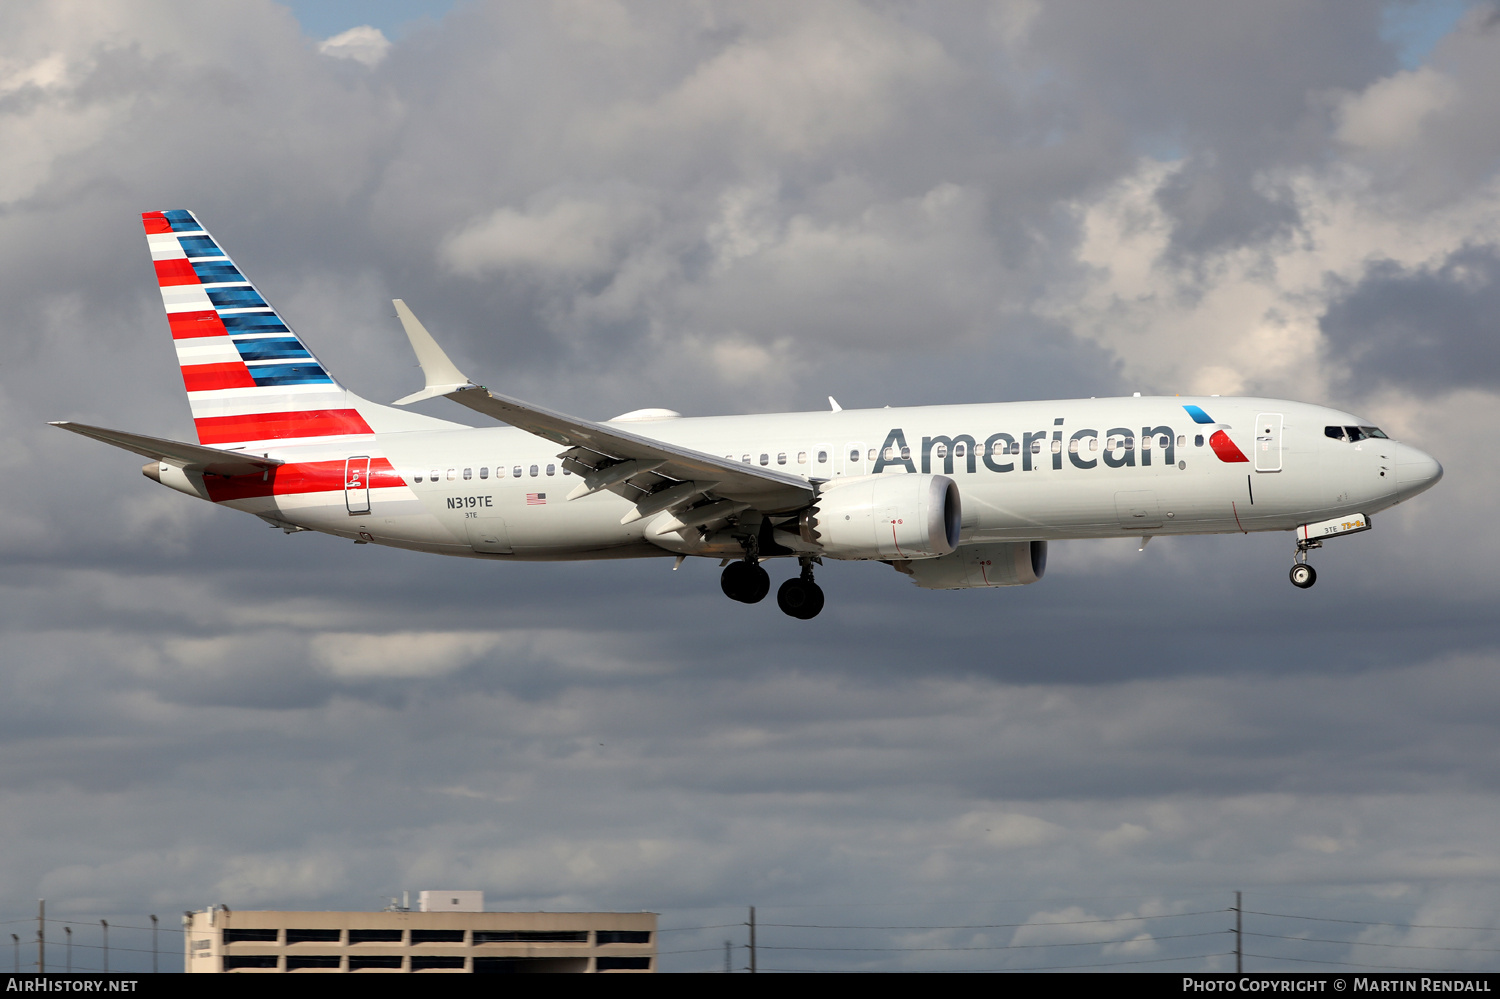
x,y
1353,434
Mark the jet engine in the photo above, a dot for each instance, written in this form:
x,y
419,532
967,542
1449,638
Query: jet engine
x,y
884,517
1009,563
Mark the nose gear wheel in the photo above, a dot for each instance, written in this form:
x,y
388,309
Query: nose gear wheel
x,y
1302,574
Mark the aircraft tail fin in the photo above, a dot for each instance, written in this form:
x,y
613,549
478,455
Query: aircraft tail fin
x,y
250,380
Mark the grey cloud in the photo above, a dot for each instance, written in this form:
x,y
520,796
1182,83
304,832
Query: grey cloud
x,y
1428,330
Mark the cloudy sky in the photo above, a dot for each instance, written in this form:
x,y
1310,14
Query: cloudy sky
x,y
738,208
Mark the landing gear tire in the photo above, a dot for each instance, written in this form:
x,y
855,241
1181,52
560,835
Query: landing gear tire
x,y
800,598
1303,575
745,582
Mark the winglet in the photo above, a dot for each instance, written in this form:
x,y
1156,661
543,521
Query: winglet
x,y
443,377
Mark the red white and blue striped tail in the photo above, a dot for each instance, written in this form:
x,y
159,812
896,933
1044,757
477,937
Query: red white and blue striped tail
x,y
249,379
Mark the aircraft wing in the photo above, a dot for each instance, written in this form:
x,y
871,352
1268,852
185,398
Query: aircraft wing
x,y
595,448
207,459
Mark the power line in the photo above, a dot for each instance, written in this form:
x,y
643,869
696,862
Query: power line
x,y
1365,922
1060,967
1366,943
995,926
1346,964
1069,943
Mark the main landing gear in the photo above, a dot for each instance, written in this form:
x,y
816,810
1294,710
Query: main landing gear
x,y
1302,574
746,581
799,596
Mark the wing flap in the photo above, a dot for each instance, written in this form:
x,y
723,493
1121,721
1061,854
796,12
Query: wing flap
x,y
763,488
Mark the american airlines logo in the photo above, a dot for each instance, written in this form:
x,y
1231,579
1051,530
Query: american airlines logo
x,y
1120,448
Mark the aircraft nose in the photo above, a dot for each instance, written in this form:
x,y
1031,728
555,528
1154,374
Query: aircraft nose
x,y
1415,471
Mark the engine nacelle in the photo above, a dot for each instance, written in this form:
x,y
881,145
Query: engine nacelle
x,y
885,517
1009,563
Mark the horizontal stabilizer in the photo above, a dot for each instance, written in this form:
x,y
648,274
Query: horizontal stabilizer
x,y
195,456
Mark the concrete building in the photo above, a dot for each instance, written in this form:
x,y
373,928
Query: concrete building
x,y
453,934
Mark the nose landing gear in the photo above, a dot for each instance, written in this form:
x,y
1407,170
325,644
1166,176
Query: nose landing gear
x,y
799,596
1302,574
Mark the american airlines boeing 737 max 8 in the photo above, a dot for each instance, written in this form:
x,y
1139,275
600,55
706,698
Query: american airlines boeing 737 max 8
x,y
954,496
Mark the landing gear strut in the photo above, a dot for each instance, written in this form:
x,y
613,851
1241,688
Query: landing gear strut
x,y
799,596
745,580
1302,574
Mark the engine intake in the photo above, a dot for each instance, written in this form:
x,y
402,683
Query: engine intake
x,y
885,517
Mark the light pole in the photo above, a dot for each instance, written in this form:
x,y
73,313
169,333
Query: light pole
x,y
68,932
105,923
153,945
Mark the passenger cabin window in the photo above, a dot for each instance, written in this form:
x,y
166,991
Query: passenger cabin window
x,y
822,457
853,454
745,458
534,471
435,475
551,469
1093,443
959,450
1057,447
765,459
1073,446
872,453
781,458
801,457
484,471
452,474
468,474
940,451
1198,441
906,454
1182,440
417,477
1036,447
516,471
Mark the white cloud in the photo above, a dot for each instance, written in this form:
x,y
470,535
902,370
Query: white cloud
x,y
364,44
403,654
1390,114
565,235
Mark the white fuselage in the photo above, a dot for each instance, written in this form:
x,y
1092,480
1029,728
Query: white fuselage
x,y
1025,471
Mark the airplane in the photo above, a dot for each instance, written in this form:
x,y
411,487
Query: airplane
x,y
953,496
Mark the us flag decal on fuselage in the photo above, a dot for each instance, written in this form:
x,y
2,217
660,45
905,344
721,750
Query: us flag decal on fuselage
x,y
536,499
